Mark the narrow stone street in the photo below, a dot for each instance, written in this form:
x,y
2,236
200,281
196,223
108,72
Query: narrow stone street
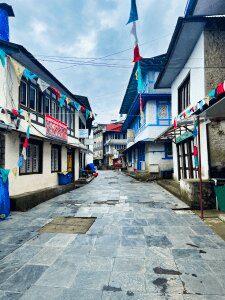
x,y
142,245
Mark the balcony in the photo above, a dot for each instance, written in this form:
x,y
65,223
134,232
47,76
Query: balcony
x,y
116,142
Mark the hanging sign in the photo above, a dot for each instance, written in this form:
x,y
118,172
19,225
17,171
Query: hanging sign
x,y
184,136
130,135
55,128
83,133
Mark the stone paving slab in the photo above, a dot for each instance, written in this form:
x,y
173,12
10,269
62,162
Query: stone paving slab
x,y
139,248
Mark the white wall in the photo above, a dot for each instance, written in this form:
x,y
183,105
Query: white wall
x,y
194,66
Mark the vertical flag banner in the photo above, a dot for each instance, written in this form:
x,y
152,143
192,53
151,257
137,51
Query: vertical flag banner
x,y
137,55
18,68
133,12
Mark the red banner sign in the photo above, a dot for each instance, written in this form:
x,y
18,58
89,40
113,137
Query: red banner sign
x,y
55,128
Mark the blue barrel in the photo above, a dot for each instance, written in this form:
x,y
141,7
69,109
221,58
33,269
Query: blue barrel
x,y
65,178
4,199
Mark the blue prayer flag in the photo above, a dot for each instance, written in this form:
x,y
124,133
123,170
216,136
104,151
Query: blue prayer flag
x,y
77,106
29,75
87,113
2,57
20,161
140,80
212,93
133,12
62,100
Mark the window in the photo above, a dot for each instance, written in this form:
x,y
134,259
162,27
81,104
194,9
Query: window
x,y
168,150
47,105
33,163
23,93
33,98
184,95
41,103
56,158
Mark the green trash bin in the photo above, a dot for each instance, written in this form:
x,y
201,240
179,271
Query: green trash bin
x,y
220,195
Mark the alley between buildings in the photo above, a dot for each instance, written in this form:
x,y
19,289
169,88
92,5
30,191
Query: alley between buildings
x,y
143,244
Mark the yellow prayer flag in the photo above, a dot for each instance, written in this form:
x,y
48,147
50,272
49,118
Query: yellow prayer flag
x,y
14,171
68,100
18,68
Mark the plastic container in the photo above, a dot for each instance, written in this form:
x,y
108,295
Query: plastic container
x,y
65,178
220,194
4,199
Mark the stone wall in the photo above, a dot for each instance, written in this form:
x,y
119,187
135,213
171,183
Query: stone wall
x,y
216,142
190,193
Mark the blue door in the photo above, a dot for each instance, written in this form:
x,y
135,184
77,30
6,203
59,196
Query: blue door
x,y
141,155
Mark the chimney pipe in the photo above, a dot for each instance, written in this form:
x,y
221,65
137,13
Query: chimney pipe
x,y
6,11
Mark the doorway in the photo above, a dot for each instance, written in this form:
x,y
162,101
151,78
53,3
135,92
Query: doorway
x,y
70,162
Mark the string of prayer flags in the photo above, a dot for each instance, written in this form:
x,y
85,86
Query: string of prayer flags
x,y
29,75
133,12
2,57
18,69
137,55
42,84
56,91
212,93
62,100
25,145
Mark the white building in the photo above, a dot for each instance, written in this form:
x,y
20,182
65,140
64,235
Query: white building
x,y
53,138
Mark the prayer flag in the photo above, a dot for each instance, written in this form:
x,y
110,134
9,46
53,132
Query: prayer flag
x,y
134,32
42,84
18,68
77,105
14,171
56,91
28,132
62,100
29,75
140,80
20,161
25,145
200,103
87,113
175,123
24,153
137,55
133,12
220,89
212,93
195,151
2,57
68,100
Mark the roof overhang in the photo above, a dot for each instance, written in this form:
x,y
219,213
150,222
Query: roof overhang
x,y
185,37
216,111
203,7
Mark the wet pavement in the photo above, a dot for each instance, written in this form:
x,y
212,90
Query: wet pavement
x,y
143,245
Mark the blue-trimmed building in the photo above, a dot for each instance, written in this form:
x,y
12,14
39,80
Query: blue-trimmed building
x,y
143,153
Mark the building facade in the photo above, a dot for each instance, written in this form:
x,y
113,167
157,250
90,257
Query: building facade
x,y
98,131
39,123
192,75
143,153
114,140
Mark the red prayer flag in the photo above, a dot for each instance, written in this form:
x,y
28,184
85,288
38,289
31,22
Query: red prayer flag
x,y
220,89
175,123
82,108
195,151
56,91
15,112
137,55
25,145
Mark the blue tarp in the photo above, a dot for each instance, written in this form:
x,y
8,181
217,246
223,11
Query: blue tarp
x,y
91,167
4,199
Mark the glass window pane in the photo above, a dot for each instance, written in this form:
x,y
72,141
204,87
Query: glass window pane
x,y
47,105
33,96
23,93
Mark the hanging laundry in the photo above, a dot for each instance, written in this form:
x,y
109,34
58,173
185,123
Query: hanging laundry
x,y
133,12
56,91
18,68
137,55
42,84
29,75
2,57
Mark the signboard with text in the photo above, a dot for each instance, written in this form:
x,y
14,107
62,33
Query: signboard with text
x,y
83,133
55,128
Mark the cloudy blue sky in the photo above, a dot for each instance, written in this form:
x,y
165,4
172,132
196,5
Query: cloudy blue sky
x,y
79,31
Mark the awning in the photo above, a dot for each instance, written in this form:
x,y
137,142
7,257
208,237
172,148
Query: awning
x,y
216,111
132,145
203,7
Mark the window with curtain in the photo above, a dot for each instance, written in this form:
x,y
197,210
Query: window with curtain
x,y
33,163
56,158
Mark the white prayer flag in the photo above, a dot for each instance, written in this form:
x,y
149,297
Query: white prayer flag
x,y
134,32
43,85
